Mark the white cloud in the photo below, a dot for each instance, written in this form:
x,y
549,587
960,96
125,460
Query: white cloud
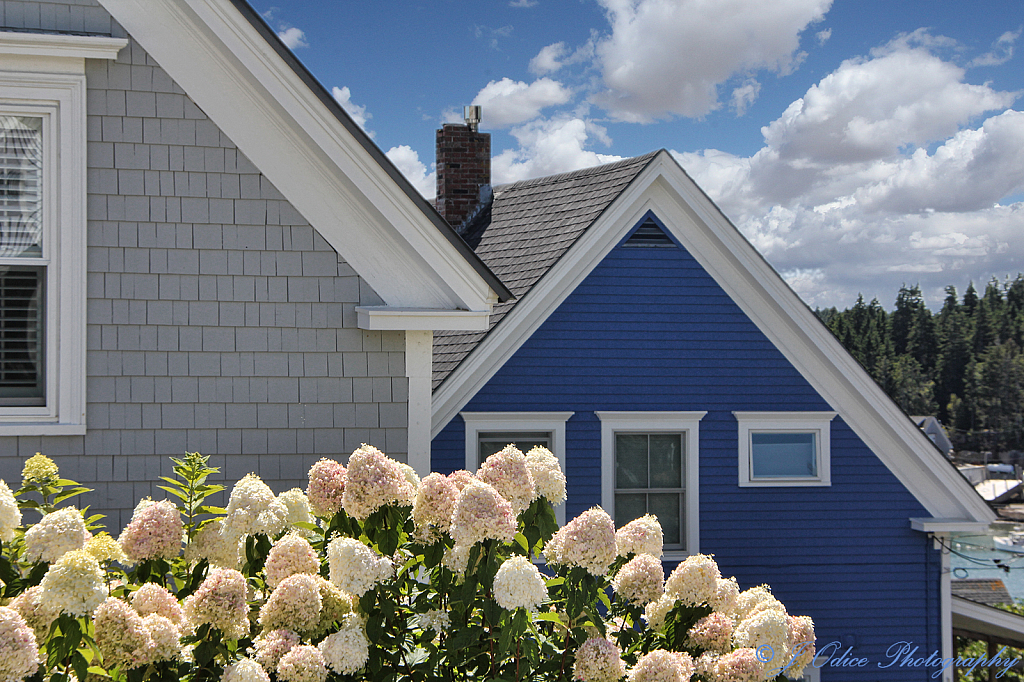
x,y
358,113
523,3
745,95
292,37
547,60
823,36
508,102
546,147
1001,51
668,57
408,162
880,176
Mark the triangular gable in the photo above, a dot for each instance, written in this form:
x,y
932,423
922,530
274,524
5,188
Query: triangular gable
x,y
663,189
234,67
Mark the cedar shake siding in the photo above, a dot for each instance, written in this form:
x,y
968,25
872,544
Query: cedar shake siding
x,y
218,319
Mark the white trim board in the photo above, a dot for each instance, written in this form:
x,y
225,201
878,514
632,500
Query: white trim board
x,y
212,51
686,212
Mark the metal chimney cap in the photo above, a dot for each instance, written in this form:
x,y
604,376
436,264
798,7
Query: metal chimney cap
x,y
472,114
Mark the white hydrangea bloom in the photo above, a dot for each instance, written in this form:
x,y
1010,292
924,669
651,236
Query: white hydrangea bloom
x,y
547,474
765,627
519,585
58,532
354,567
435,620
253,509
725,595
10,515
297,504
75,584
640,536
347,650
694,581
245,670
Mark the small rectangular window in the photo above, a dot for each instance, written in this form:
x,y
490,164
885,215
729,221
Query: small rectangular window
x,y
784,448
783,454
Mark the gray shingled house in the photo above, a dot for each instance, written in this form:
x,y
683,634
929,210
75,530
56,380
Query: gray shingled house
x,y
199,250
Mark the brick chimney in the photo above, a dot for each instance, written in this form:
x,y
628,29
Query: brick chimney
x,y
463,168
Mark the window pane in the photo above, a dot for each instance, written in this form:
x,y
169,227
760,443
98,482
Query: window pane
x,y
21,191
783,454
668,508
629,506
631,461
491,442
666,460
21,335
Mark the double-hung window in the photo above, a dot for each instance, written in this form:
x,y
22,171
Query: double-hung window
x,y
778,449
489,432
43,229
650,466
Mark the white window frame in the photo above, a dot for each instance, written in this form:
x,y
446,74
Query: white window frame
x,y
526,422
818,423
43,75
687,423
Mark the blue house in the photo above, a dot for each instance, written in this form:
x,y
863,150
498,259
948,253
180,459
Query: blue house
x,y
672,371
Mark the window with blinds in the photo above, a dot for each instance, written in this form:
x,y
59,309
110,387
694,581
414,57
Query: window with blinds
x,y
22,284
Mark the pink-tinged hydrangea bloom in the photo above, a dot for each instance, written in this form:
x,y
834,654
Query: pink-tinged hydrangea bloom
x,y
460,479
220,603
662,666
354,567
290,555
506,470
153,533
482,513
694,581
519,585
335,605
435,503
10,515
373,481
294,605
740,665
36,612
640,536
298,511
656,612
151,598
302,663
755,599
253,509
271,646
725,595
19,655
105,548
164,642
217,544
121,635
58,532
641,581
547,474
712,632
326,488
598,660
347,650
587,541
704,665
801,644
75,584
245,670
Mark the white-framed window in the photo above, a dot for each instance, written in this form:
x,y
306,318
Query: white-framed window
x,y
650,464
779,449
43,230
489,432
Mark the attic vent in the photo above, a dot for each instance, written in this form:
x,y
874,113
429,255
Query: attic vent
x,y
649,235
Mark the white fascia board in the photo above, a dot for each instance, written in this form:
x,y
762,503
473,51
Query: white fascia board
x,y
254,96
391,318
694,220
62,45
933,525
987,620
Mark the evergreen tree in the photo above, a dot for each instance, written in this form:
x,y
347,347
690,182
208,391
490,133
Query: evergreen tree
x,y
997,391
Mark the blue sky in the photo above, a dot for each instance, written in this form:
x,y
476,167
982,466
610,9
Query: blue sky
x,y
859,145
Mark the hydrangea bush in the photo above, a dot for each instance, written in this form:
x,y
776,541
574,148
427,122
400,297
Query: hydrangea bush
x,y
370,574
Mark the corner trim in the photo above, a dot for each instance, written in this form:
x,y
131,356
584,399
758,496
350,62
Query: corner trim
x,y
399,318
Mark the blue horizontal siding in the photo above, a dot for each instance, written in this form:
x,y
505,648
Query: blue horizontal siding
x,y
649,329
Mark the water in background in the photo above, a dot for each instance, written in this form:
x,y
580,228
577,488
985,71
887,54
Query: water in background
x,y
974,556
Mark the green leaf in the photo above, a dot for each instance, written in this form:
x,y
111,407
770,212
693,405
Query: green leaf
x,y
548,616
174,491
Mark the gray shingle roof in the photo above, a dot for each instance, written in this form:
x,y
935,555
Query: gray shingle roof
x,y
528,227
989,591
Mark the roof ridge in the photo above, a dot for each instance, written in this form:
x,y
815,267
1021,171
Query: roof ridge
x,y
581,172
